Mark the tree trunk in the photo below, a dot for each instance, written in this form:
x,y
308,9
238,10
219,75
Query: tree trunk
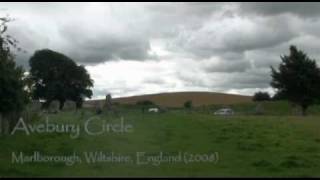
x,y
304,110
79,104
61,105
4,125
1,126
14,117
8,121
46,105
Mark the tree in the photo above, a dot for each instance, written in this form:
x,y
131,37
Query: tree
x,y
188,104
13,97
279,96
57,77
261,96
80,85
297,79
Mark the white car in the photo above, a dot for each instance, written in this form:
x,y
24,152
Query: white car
x,y
153,110
224,111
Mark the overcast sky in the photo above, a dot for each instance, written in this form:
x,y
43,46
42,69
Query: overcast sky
x,y
143,48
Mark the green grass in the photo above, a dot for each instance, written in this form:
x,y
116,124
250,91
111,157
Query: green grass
x,y
270,145
269,108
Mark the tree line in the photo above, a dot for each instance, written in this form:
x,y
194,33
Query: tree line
x,y
297,80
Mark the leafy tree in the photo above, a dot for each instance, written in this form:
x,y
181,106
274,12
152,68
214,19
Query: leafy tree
x,y
188,104
298,79
261,96
57,77
80,85
13,97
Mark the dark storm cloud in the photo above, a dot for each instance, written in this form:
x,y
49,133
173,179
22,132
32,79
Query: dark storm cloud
x,y
28,41
225,66
188,25
186,9
105,48
248,79
302,9
100,34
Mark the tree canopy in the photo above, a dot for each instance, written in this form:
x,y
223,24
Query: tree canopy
x,y
13,97
297,79
261,96
188,104
57,77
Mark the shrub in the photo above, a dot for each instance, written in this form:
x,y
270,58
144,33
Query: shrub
x,y
261,96
188,104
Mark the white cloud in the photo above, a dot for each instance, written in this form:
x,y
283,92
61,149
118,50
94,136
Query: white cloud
x,y
138,48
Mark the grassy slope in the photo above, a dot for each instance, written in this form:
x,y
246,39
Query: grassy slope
x,y
247,145
177,99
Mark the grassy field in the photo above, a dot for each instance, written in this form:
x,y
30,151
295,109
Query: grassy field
x,y
273,145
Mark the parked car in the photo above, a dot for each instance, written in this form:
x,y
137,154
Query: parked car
x,y
224,111
153,110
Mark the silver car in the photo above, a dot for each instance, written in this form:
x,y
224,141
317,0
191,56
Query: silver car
x,y
224,111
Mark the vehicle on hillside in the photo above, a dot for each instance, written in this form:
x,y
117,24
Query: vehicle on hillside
x,y
153,110
224,112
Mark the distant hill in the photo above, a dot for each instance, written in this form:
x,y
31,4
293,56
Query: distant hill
x,y
177,99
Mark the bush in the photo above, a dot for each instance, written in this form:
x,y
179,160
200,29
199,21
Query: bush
x,y
188,104
13,96
261,96
145,103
